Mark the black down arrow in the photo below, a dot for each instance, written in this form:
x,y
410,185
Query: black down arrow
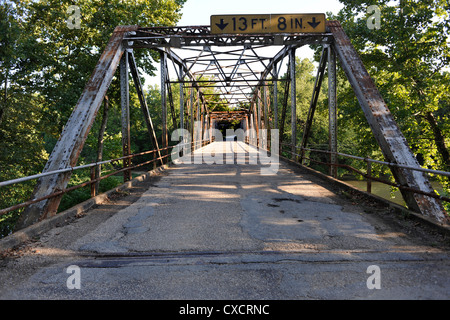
x,y
222,25
314,24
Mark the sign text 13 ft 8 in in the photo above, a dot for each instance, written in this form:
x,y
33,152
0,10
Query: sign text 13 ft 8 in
x,y
268,23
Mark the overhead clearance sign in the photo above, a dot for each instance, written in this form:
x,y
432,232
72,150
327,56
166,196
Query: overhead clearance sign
x,y
268,23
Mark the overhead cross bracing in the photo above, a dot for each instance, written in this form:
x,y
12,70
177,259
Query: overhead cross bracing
x,y
228,115
208,61
235,73
241,71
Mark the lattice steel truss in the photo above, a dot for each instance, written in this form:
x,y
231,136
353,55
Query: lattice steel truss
x,y
242,73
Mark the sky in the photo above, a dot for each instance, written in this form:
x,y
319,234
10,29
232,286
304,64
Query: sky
x,y
198,12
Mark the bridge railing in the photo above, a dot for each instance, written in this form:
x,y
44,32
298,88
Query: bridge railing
x,y
368,174
163,151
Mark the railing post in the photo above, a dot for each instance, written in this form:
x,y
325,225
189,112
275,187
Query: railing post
x,y
155,157
94,190
369,175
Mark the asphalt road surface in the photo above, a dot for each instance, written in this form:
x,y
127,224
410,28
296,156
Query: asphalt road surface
x,y
227,231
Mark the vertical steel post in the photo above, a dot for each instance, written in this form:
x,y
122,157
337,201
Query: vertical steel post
x,y
199,122
125,106
313,103
204,117
191,102
247,130
253,129
266,102
275,97
191,107
255,124
205,128
144,106
164,139
332,109
260,122
293,102
258,101
284,110
181,99
210,130
266,106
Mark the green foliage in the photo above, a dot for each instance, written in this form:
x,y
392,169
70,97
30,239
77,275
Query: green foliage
x,y
408,58
10,196
44,66
82,194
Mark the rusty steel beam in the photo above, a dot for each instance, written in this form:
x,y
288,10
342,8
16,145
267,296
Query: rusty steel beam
x,y
192,113
259,110
143,103
386,131
293,100
197,36
68,148
163,70
181,97
275,96
284,106
171,103
315,97
125,114
332,110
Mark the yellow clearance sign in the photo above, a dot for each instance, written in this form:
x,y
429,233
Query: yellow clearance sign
x,y
268,23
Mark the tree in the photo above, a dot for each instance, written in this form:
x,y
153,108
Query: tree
x,y
45,65
407,59
22,151
68,56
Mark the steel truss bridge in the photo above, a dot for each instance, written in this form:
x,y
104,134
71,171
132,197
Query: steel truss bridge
x,y
243,75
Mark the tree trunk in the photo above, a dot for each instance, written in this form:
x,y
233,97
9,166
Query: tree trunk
x,y
5,99
439,139
437,133
1,114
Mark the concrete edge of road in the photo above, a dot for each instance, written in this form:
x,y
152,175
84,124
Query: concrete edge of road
x,y
398,209
21,236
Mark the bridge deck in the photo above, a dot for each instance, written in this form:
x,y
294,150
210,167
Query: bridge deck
x,y
225,231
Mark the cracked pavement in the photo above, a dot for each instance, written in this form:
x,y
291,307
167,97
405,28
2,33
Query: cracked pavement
x,y
225,231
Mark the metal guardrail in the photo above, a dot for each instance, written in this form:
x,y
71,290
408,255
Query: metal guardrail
x,y
91,181
368,175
